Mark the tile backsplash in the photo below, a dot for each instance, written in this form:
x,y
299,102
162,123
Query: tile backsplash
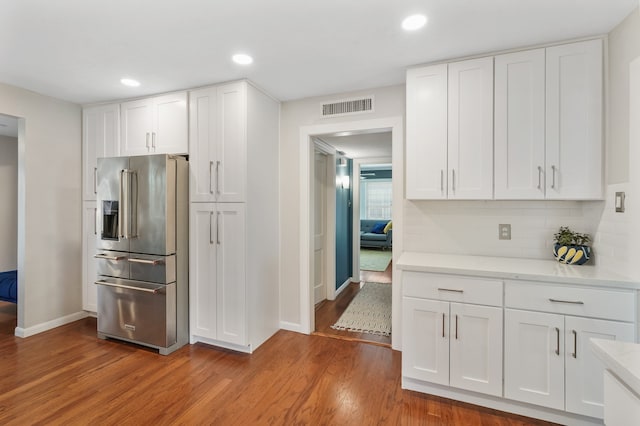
x,y
471,227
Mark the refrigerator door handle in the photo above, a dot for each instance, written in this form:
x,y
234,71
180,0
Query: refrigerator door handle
x,y
107,257
121,206
146,261
156,290
133,212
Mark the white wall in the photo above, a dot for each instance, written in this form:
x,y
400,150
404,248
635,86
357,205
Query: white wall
x,y
389,102
624,46
8,203
50,173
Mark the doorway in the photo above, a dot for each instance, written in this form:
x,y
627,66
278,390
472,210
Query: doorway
x,y
8,223
307,172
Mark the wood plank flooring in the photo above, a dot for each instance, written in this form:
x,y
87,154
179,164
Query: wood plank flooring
x,y
329,311
67,376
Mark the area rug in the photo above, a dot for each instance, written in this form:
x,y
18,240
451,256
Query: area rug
x,y
369,311
374,260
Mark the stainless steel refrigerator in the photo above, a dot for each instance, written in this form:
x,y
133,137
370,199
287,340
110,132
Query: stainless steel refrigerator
x,y
142,250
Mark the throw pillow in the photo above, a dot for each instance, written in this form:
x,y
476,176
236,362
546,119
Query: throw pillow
x,y
378,228
386,228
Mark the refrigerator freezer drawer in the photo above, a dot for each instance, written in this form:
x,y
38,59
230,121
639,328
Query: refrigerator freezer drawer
x,y
136,311
112,263
156,269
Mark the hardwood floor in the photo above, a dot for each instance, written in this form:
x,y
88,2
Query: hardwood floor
x,y
67,376
329,311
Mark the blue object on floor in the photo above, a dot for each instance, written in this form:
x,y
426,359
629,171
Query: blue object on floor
x,y
9,286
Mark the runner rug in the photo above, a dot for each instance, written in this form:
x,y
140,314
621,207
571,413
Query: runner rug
x,y
369,311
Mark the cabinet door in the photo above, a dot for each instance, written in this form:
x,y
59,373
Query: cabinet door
x,y
202,147
470,143
89,266
136,124
426,161
100,131
519,125
203,295
425,352
534,358
574,121
476,348
584,371
170,133
230,273
230,164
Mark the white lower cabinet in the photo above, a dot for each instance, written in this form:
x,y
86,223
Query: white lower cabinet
x,y
89,267
548,361
217,265
451,343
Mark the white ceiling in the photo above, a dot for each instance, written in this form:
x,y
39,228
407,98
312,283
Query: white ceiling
x,y
78,50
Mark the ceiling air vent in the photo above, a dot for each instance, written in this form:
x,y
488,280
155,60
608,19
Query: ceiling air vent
x,y
348,107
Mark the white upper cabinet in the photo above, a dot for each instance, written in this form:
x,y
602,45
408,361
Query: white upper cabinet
x,y
218,141
532,130
155,125
100,130
574,121
519,125
470,144
426,161
450,131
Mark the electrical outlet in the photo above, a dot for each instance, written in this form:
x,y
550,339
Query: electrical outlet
x,y
504,231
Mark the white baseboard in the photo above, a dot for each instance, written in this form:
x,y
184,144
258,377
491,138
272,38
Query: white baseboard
x,y
291,326
39,328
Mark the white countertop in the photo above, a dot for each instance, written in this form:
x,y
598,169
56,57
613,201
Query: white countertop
x,y
622,358
513,268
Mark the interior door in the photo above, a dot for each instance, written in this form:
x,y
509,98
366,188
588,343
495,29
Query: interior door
x,y
320,229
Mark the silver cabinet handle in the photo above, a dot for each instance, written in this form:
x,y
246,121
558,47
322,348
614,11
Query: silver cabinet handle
x,y
210,227
218,177
108,257
210,177
95,221
539,177
441,180
153,140
218,228
146,261
451,290
575,344
456,327
95,180
147,141
156,290
557,341
553,177
443,325
453,180
571,302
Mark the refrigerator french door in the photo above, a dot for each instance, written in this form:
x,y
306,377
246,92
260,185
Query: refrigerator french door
x,y
142,250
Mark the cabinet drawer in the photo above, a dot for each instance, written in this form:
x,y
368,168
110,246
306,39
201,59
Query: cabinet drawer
x,y
452,288
588,302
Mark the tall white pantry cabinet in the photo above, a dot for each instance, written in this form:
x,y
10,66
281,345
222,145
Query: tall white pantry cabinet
x,y
234,216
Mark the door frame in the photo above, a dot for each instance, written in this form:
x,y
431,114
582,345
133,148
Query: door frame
x,y
395,125
330,214
357,168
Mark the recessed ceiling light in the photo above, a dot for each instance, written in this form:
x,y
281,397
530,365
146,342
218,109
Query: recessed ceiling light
x,y
414,22
130,82
242,59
